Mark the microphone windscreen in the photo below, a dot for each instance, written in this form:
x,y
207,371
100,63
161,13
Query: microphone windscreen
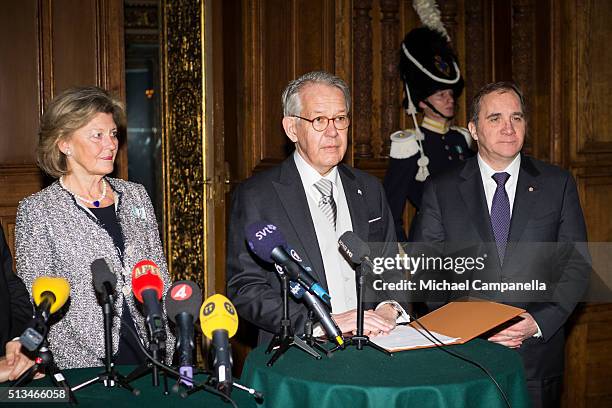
x,y
353,247
58,286
101,273
183,297
218,313
263,237
146,275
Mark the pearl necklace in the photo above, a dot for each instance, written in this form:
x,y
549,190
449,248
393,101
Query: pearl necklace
x,y
95,203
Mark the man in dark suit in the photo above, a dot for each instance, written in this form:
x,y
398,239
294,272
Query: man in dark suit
x,y
15,313
312,199
518,205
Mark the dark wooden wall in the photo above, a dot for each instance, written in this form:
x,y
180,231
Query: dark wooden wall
x,y
556,49
47,46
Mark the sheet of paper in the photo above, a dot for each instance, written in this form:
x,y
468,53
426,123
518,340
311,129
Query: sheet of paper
x,y
407,337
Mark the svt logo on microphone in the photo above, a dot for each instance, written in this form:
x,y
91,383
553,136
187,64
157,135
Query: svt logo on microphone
x,y
268,229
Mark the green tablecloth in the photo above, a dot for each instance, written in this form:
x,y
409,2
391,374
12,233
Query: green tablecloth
x,y
367,378
98,395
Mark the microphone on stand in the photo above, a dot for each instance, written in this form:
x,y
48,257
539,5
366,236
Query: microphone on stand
x,y
183,301
104,281
268,243
49,295
148,287
219,322
354,249
313,303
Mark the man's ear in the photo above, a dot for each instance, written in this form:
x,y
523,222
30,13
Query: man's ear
x,y
472,129
290,126
422,106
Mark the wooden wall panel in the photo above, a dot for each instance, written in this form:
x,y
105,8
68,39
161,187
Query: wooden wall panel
x,y
588,363
74,43
595,187
19,92
277,64
283,40
46,46
580,87
593,56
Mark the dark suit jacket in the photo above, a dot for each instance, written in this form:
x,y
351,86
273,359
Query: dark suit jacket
x,y
546,210
15,306
277,196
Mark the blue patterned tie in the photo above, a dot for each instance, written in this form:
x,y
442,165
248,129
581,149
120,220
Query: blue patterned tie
x,y
500,214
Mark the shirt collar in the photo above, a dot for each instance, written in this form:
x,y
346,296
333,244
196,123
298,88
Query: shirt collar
x,y
435,126
487,171
309,175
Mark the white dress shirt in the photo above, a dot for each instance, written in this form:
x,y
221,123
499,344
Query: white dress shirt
x,y
338,273
486,173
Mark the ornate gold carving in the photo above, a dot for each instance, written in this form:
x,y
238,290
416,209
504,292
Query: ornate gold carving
x,y
140,16
141,22
184,167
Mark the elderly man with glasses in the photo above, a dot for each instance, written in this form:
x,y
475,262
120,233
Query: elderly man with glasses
x,y
313,199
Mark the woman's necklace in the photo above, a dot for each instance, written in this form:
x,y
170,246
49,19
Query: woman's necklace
x,y
95,203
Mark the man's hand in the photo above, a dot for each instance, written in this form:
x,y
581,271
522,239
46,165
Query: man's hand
x,y
514,335
376,322
16,361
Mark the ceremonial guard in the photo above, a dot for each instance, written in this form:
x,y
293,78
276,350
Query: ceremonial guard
x,y
432,83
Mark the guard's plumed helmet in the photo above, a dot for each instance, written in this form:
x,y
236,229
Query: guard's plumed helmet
x,y
428,64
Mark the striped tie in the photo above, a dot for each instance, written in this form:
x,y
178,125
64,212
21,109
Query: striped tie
x,y
327,203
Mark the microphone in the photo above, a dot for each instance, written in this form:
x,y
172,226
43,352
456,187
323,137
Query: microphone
x,y
354,249
49,295
320,311
219,322
183,301
104,280
269,244
148,287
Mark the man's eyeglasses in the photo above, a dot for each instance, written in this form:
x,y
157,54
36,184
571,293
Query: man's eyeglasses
x,y
320,123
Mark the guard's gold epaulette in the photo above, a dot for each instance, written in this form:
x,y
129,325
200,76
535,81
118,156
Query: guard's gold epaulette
x,y
404,144
466,134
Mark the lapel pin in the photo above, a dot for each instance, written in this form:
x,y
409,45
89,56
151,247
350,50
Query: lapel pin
x,y
531,189
359,192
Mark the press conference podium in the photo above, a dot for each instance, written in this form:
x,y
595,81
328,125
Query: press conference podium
x,y
424,378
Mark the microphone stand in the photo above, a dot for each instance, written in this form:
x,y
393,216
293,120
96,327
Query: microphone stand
x,y
359,339
156,345
212,383
285,339
44,360
110,378
310,339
